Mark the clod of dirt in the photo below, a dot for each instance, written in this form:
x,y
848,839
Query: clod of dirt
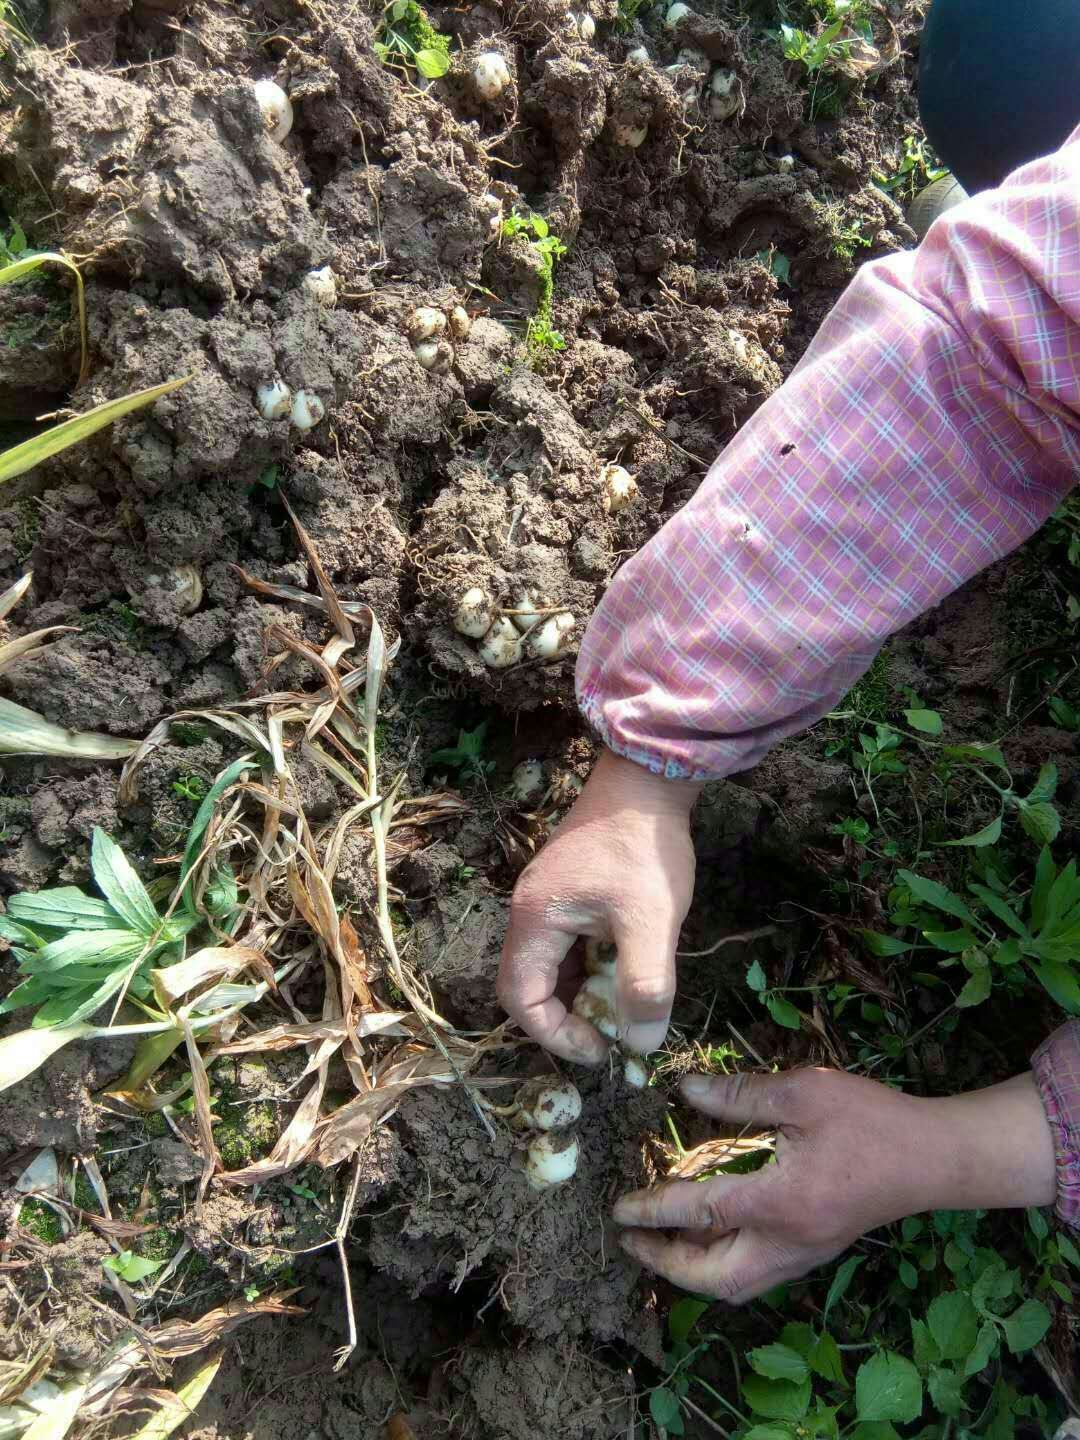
x,y
459,940
541,1390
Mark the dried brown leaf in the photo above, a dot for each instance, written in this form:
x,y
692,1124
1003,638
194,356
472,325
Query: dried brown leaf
x,y
188,1337
200,1087
714,1153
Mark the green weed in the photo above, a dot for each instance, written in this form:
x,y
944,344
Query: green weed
x,y
406,34
629,10
540,335
467,756
918,168
191,787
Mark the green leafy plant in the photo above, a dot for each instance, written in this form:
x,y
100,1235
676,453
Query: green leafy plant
x,y
467,755
540,335
406,34
996,932
828,45
777,263
191,787
629,10
131,1267
918,168
781,1010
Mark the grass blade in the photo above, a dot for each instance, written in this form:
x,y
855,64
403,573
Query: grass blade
x,y
14,593
26,263
179,1408
25,732
21,458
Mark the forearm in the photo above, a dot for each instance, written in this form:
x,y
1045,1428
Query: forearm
x,y
926,433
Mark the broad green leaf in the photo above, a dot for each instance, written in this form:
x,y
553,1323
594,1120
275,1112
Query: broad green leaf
x,y
997,906
684,1315
976,989
951,941
664,1409
979,754
19,934
175,1409
988,835
1063,895
1041,821
65,908
954,1324
879,944
929,892
116,879
89,947
874,1430
540,226
826,1359
1045,875
776,1399
924,1348
432,63
928,722
911,1227
888,1387
29,992
76,1005
909,1276
1038,1222
1046,783
770,1432
946,1389
778,1362
20,458
1068,1251
984,1349
1060,983
131,1267
841,1281
1008,952
996,1283
22,1053
1026,1326
755,978
799,1337
783,1012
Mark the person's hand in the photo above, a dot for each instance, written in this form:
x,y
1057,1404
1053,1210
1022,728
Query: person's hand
x,y
851,1154
619,868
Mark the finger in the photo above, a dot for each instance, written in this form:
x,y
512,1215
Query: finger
x,y
533,951
644,981
766,1100
724,1203
734,1268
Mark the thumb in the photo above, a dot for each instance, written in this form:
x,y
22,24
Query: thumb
x,y
766,1100
644,982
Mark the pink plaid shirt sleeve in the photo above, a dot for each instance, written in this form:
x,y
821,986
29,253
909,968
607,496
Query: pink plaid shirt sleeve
x,y
931,427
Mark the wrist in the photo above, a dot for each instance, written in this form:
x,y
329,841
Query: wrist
x,y
990,1149
624,783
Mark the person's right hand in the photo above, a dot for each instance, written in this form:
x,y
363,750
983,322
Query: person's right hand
x,y
619,868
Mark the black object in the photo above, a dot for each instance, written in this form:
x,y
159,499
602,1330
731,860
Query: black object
x,y
999,83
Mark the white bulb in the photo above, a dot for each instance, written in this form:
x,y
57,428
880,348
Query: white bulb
x,y
307,410
274,400
675,14
491,75
502,645
629,136
552,637
620,488
548,1103
474,613
551,1160
435,355
600,956
586,26
595,1002
494,206
640,54
527,781
786,164
275,108
634,1073
424,322
691,55
183,581
460,323
525,615
321,285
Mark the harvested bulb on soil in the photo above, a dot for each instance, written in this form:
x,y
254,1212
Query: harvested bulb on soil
x,y
502,645
620,488
275,108
629,136
548,1103
585,26
675,15
552,637
600,957
525,614
426,322
724,100
640,54
634,1073
494,206
274,400
307,410
460,323
435,355
321,285
786,164
595,1002
491,75
551,1160
474,613
527,781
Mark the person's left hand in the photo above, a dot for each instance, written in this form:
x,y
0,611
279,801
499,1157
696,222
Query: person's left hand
x,y
851,1154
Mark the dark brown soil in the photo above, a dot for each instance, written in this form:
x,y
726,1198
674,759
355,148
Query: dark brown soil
x,y
131,136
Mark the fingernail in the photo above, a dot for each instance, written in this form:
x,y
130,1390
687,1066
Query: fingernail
x,y
623,1212
645,1038
696,1087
